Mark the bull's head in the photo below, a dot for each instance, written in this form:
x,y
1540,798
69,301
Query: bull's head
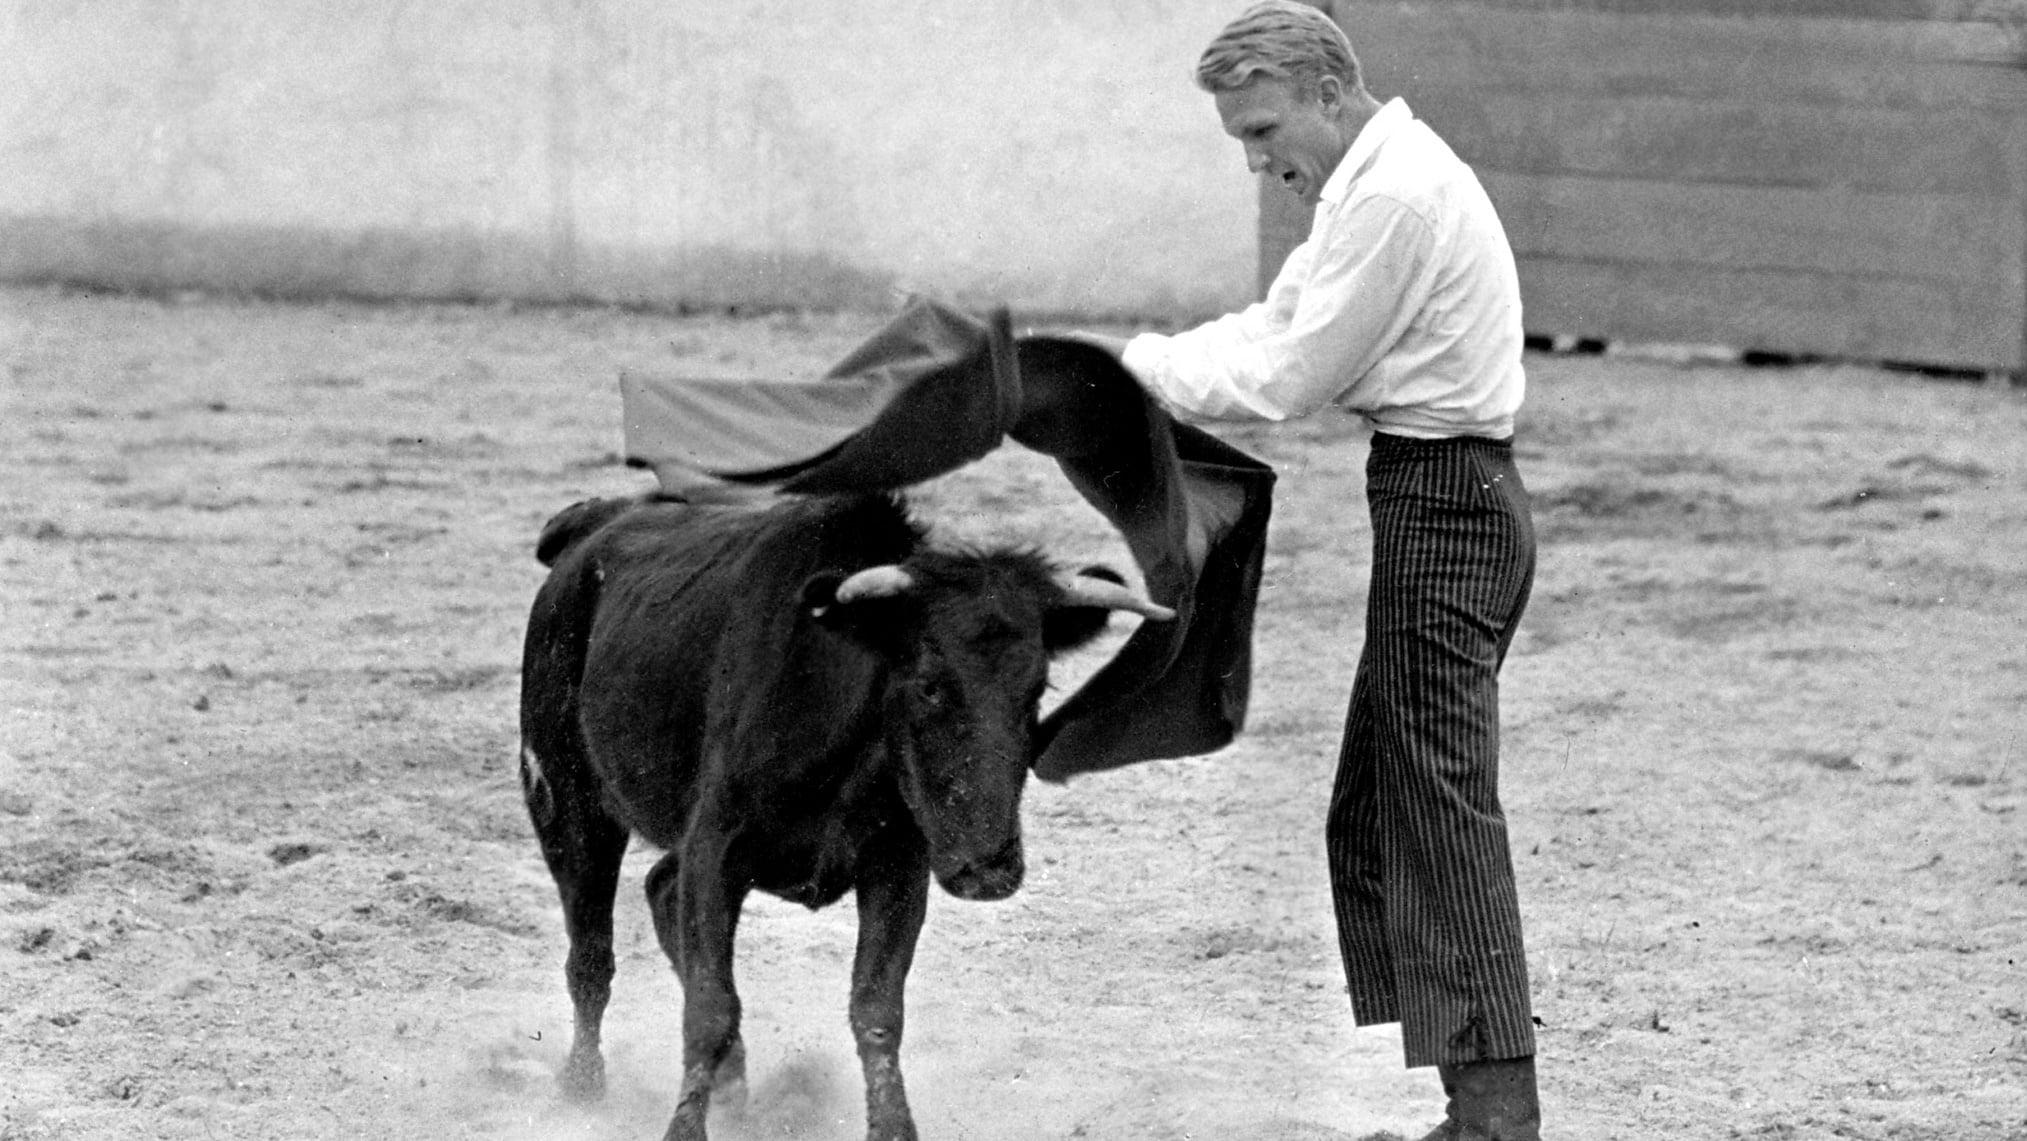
x,y
968,639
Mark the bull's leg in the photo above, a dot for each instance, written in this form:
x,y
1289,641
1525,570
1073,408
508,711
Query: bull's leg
x,y
584,848
728,1083
893,897
696,902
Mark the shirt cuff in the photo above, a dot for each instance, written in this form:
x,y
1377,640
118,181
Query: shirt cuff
x,y
1144,356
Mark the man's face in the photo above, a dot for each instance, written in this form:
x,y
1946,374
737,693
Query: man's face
x,y
1294,131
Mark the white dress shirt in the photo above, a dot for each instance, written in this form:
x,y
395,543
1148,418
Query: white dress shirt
x,y
1402,305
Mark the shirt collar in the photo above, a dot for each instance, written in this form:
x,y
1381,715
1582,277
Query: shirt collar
x,y
1388,119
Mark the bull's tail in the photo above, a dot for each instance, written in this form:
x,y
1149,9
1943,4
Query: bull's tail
x,y
572,524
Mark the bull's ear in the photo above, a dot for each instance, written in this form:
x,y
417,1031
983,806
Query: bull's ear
x,y
1066,627
881,624
820,591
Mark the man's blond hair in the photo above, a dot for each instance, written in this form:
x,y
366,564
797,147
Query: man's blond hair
x,y
1282,39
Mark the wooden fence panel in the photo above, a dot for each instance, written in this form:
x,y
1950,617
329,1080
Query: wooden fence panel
x,y
1843,178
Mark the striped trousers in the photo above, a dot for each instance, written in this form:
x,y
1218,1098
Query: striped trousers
x,y
1421,871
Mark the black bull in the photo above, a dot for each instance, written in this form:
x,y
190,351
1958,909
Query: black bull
x,y
806,700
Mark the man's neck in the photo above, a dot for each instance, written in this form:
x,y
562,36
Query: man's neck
x,y
1359,108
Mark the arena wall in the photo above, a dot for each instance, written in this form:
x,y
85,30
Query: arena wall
x,y
1051,154
1844,178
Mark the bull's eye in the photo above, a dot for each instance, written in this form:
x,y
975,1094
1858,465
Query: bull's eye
x,y
934,693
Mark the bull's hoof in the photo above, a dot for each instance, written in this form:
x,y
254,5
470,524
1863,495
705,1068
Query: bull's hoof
x,y
728,1081
729,1094
687,1124
902,1130
583,1078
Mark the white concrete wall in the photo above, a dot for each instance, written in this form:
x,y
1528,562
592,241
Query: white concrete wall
x,y
1049,153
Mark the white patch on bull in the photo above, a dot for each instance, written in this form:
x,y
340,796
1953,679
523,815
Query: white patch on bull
x,y
535,785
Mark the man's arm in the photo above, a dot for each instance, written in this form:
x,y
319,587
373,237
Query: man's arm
x,y
1359,288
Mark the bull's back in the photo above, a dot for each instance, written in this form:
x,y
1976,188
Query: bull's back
x,y
574,524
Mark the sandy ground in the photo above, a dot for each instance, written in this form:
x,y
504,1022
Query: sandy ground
x,y
265,874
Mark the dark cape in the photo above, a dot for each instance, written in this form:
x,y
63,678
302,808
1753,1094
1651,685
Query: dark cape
x,y
937,388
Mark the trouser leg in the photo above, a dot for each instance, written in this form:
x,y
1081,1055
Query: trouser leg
x,y
1357,887
1420,863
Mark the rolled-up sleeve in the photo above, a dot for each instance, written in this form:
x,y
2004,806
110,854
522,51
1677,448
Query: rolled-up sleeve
x,y
1342,300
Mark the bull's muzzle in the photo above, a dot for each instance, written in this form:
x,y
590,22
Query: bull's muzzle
x,y
994,877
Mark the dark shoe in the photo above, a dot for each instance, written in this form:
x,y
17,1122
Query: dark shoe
x,y
1490,1101
1447,1131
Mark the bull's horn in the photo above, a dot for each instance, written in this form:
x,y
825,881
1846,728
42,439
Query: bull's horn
x,y
887,581
1090,590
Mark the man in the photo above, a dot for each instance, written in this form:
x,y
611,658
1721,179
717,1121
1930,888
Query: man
x,y
1403,305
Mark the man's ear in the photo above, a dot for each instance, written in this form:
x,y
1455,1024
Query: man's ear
x,y
1330,92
